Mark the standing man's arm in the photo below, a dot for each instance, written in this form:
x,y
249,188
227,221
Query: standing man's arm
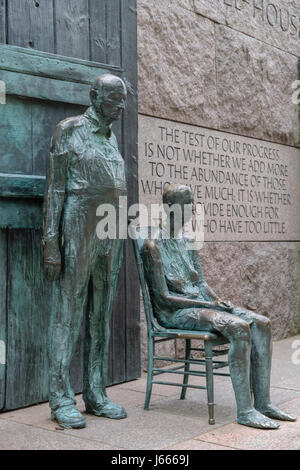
x,y
53,204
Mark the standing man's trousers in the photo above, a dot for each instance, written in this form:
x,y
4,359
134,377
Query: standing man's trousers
x,y
89,265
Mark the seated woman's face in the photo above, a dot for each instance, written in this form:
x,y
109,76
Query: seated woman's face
x,y
181,196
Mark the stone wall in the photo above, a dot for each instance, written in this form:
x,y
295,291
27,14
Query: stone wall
x,y
229,65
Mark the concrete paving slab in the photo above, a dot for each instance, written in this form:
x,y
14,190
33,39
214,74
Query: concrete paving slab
x,y
16,436
141,430
144,430
281,395
169,408
195,404
242,437
285,374
170,422
283,349
39,415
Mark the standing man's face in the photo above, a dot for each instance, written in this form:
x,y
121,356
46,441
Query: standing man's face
x,y
114,103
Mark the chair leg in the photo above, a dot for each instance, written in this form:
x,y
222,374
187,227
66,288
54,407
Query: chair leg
x,y
150,372
209,380
186,368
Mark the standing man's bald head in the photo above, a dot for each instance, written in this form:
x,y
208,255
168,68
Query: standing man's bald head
x,y
108,95
105,84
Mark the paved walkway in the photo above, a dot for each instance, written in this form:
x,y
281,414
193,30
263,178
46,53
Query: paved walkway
x,y
170,423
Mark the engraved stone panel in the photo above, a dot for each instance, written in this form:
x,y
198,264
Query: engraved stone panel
x,y
248,188
276,22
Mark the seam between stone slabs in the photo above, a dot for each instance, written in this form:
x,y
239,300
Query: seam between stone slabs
x,y
223,380
237,30
290,400
224,131
139,391
201,440
287,388
296,397
69,433
176,394
206,432
216,426
218,444
154,396
192,10
216,76
233,422
159,413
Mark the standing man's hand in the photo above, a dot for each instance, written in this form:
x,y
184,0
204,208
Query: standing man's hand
x,y
52,262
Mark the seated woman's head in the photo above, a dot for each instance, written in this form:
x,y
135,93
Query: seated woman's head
x,y
178,196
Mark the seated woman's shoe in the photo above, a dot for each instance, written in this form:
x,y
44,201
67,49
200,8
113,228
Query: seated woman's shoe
x,y
274,412
68,417
255,419
107,408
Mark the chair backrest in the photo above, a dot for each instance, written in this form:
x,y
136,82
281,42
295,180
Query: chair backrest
x,y
140,236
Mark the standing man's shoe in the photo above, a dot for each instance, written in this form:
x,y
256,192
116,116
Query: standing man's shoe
x,y
68,417
107,408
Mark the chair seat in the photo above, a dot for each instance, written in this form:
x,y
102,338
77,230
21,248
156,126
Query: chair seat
x,y
216,338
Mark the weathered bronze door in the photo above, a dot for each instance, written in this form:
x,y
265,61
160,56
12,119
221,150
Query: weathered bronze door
x,y
50,52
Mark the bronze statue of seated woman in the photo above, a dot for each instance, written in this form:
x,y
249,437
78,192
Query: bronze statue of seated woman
x,y
182,299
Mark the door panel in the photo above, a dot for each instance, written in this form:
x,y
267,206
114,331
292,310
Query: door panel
x,y
105,27
28,24
48,78
3,315
15,151
28,315
43,119
72,28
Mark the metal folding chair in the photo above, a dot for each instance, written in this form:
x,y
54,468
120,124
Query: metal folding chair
x,y
158,334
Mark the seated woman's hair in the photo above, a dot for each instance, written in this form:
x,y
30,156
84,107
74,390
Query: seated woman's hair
x,y
177,194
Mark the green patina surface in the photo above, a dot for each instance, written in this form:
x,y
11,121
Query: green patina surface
x,y
47,76
85,169
22,186
40,89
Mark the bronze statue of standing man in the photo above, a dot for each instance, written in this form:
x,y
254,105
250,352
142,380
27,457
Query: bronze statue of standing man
x,y
85,169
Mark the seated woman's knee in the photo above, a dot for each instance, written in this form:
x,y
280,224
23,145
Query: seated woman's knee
x,y
263,322
240,330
